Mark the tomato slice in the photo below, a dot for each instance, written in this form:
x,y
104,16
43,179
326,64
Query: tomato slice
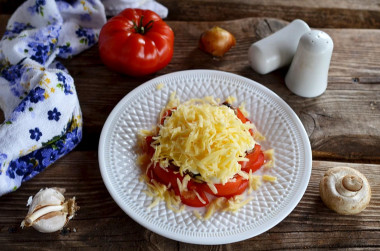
x,y
191,199
254,165
243,119
240,115
149,149
166,114
242,187
228,189
167,176
252,157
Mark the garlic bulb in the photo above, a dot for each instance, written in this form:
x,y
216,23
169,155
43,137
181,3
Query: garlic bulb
x,y
48,210
345,190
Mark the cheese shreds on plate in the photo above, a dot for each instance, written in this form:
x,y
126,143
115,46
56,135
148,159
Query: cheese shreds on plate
x,y
160,86
160,192
203,137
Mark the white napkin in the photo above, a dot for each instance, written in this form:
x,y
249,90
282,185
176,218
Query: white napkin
x,y
43,120
113,7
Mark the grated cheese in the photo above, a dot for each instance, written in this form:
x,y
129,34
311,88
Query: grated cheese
x,y
160,86
160,192
269,157
221,204
269,178
183,186
243,110
236,202
204,138
254,182
231,100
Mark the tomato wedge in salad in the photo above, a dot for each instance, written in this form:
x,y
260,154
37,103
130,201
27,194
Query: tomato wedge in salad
x,y
234,187
255,160
167,176
194,196
191,198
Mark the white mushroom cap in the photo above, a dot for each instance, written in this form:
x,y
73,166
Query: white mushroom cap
x,y
345,190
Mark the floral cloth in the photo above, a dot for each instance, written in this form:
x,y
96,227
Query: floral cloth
x,y
43,119
113,7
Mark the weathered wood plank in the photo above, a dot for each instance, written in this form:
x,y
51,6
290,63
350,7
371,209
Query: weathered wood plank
x,y
100,223
322,14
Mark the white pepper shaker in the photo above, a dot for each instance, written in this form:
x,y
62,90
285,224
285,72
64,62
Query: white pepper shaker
x,y
276,50
308,73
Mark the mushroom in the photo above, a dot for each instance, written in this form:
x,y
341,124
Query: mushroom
x,y
48,210
345,190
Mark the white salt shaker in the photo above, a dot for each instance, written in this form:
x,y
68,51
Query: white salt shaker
x,y
276,50
307,75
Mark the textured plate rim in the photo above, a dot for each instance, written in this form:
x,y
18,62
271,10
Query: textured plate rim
x,y
292,203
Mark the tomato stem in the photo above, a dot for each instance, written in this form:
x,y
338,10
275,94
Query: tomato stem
x,y
140,28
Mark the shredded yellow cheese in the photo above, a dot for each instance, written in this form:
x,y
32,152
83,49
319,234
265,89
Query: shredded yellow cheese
x,y
223,204
160,86
269,158
236,202
231,100
254,182
204,138
160,192
243,110
269,178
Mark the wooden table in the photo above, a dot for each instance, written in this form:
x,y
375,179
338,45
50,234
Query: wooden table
x,y
343,126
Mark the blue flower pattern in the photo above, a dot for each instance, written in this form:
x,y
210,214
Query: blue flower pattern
x,y
64,84
13,74
41,52
35,134
36,95
54,114
46,37
16,29
87,36
35,162
37,8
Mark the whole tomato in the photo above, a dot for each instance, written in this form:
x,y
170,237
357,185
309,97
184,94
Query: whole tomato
x,y
136,42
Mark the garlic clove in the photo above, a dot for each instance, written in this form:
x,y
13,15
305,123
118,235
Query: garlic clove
x,y
48,211
47,196
51,224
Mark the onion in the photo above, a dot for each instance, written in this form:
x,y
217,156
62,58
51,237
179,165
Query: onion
x,y
216,41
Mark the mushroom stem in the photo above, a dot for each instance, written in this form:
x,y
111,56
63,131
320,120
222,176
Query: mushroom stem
x,y
40,212
352,183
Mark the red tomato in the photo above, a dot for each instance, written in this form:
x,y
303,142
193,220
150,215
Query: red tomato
x,y
191,199
229,189
136,42
254,165
252,157
187,197
167,176
243,118
149,149
166,114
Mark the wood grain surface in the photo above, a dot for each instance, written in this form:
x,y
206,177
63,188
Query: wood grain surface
x,y
343,126
100,223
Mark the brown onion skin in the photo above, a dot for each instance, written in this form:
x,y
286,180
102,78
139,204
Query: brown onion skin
x,y
216,41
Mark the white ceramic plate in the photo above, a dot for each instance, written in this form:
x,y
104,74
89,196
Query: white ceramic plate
x,y
273,117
